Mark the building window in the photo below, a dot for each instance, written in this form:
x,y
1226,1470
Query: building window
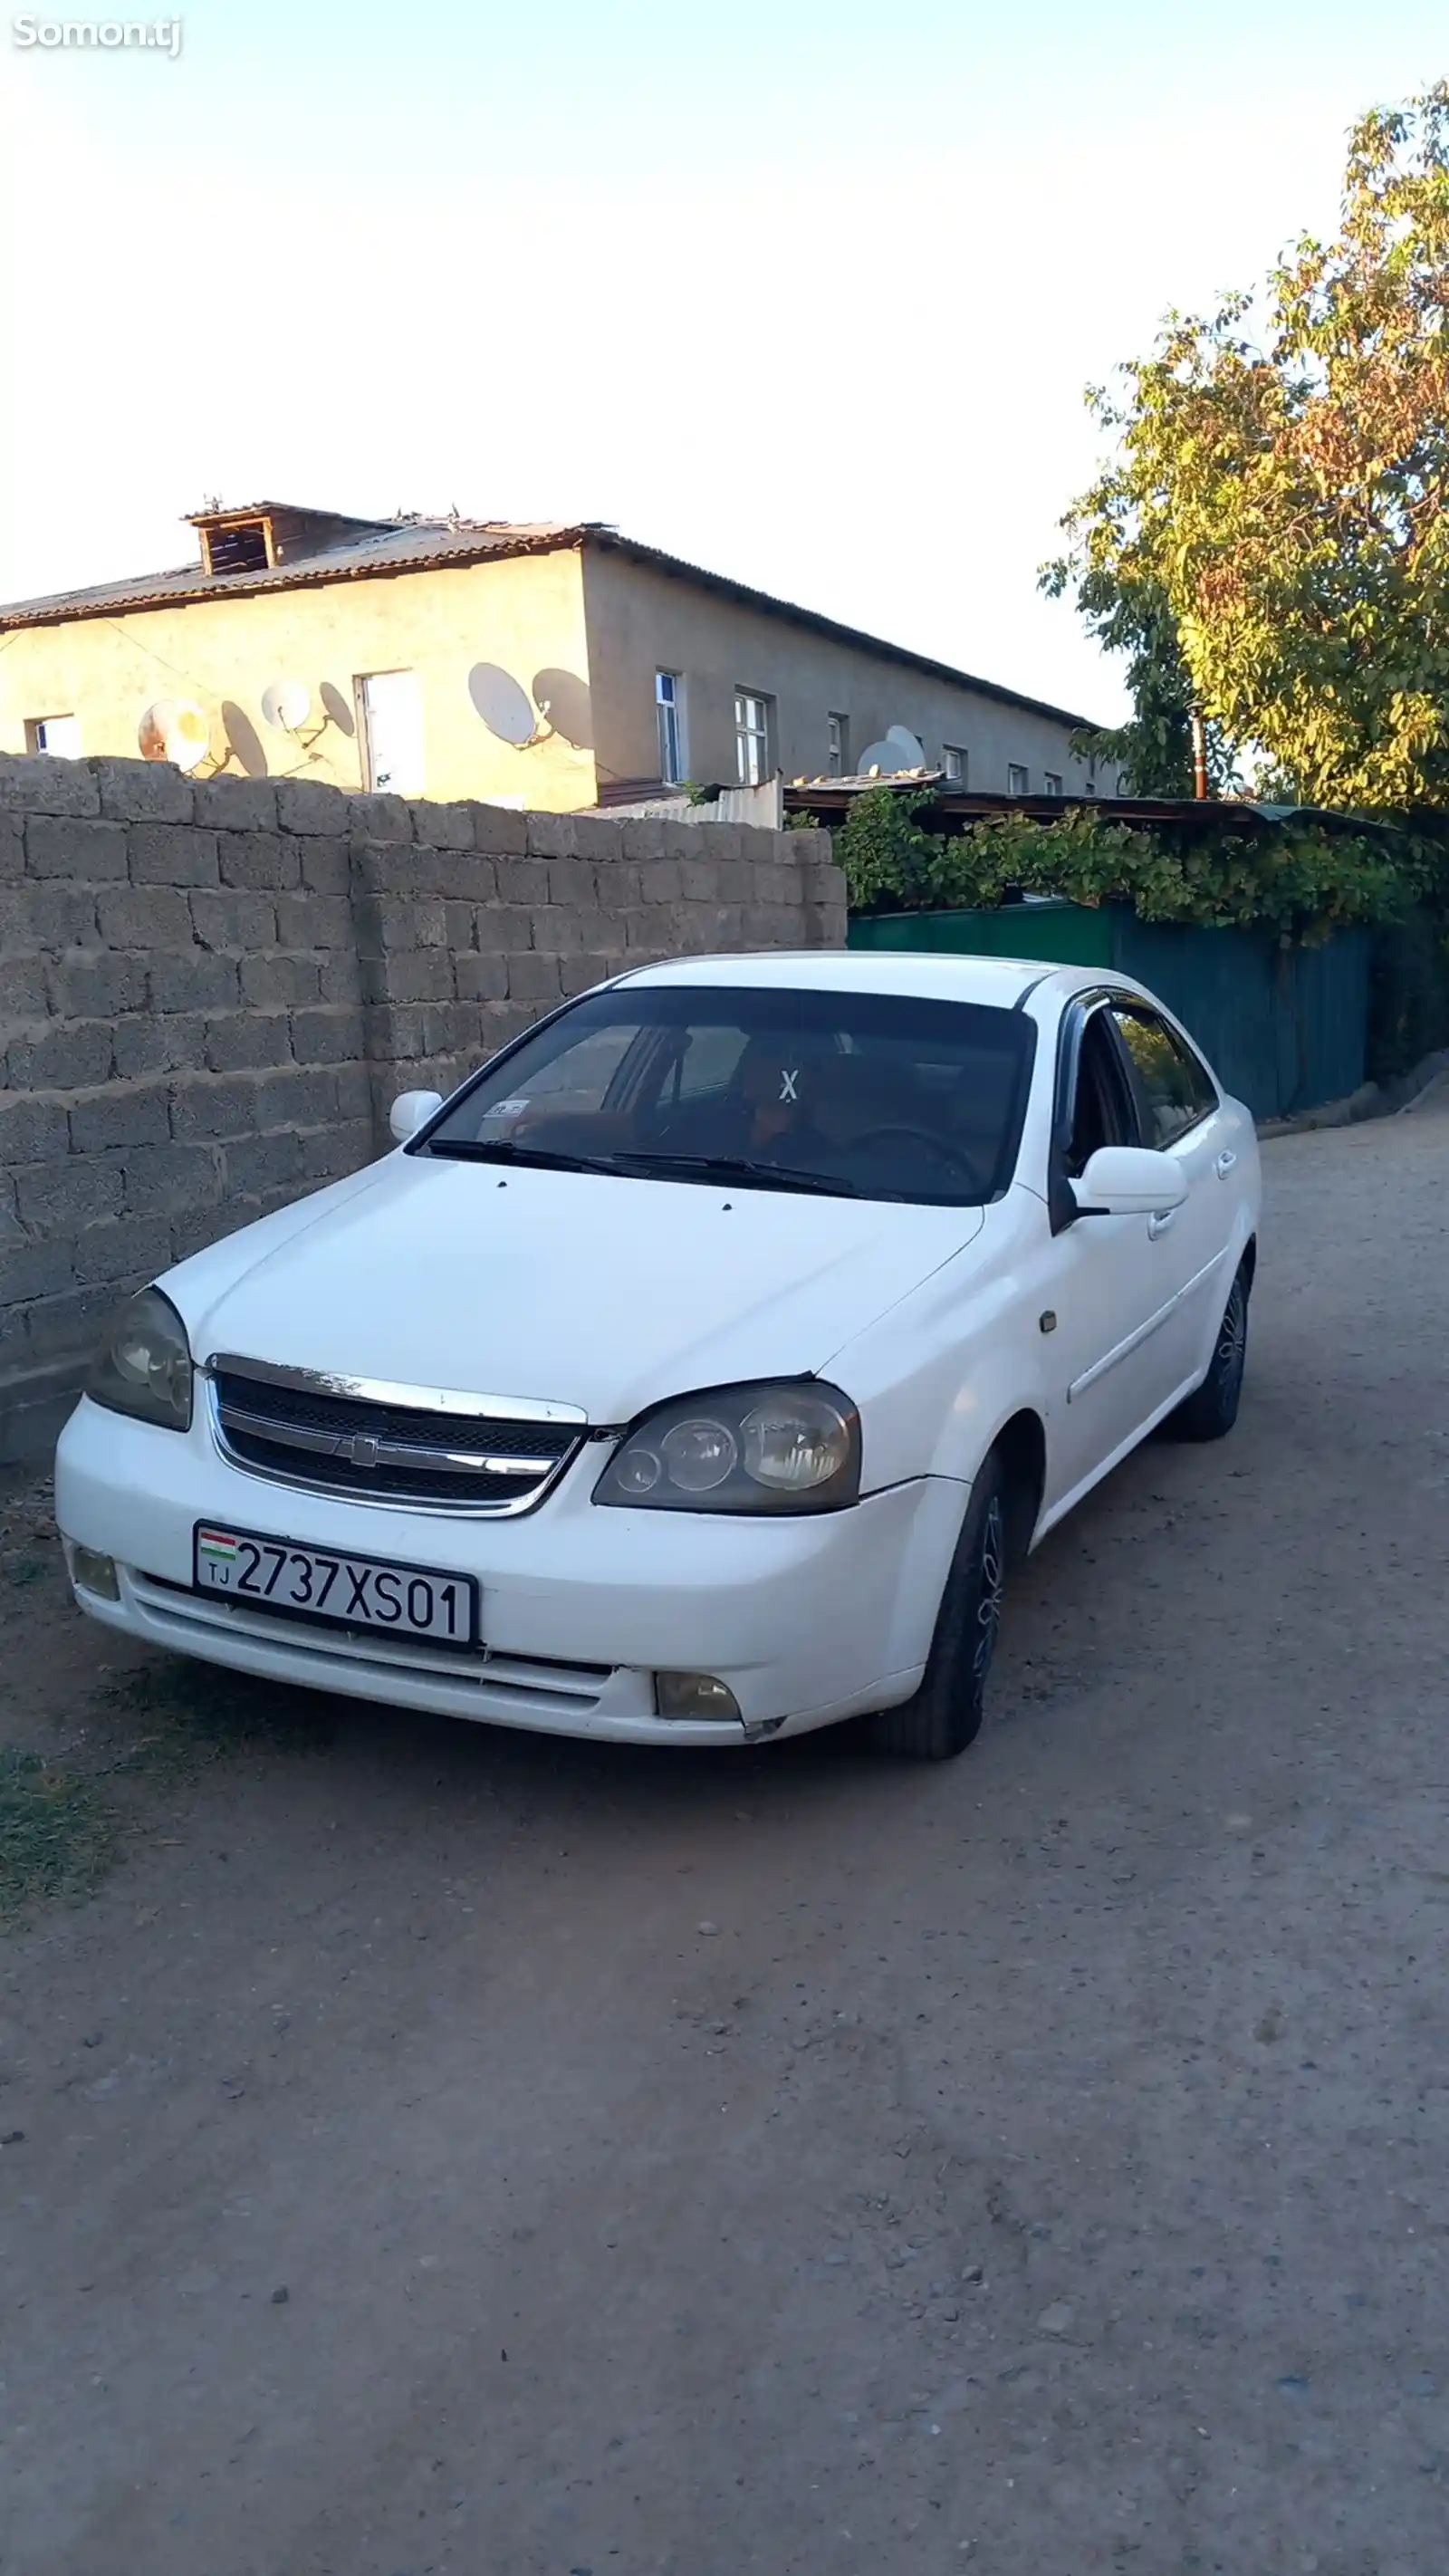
x,y
752,738
392,732
669,708
1052,783
1016,782
839,762
59,735
239,545
953,761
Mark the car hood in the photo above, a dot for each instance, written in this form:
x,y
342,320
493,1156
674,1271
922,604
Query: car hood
x,y
573,1288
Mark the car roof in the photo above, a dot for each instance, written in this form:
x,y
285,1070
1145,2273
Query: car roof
x,y
1002,982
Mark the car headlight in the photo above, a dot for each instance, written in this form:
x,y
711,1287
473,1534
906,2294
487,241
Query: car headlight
x,y
791,1447
144,1364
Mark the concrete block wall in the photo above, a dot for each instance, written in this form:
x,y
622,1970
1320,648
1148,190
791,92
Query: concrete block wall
x,y
211,992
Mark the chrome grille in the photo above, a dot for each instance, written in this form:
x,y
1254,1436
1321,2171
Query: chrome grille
x,y
388,1444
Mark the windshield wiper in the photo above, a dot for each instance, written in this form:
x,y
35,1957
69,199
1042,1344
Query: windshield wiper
x,y
497,1149
735,1167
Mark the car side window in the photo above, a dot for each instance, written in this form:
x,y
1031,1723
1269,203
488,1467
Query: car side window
x,y
1177,1090
1102,1111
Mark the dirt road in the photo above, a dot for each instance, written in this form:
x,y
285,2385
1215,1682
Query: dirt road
x,y
446,2151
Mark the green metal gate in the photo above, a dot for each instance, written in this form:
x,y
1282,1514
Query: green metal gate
x,y
1284,1028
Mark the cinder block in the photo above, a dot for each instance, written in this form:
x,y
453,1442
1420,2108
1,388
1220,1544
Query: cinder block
x,y
734,881
255,1163
481,979
155,1043
770,925
523,880
245,922
12,849
504,927
646,925
82,852
128,1248
59,916
342,979
420,975
194,981
442,827
166,1180
499,832
580,974
302,1098
217,1104
660,881
305,806
550,836
24,988
37,1270
326,866
65,1057
353,1084
143,917
262,862
95,985
461,875
532,978
248,1040
597,839
460,927
172,854
64,1195
571,881
278,980
334,1036
127,1115
380,818
698,881
643,838
560,929
330,1153
68,1323
142,791
311,921
36,783
236,804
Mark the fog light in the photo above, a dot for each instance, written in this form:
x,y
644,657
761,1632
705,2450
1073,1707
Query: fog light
x,y
92,1572
694,1695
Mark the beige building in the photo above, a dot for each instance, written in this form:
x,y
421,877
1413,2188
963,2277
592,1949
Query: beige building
x,y
553,667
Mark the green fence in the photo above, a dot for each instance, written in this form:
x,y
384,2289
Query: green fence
x,y
1284,1028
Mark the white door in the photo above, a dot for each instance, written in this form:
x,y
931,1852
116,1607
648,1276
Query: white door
x,y
1109,1282
392,732
1180,1111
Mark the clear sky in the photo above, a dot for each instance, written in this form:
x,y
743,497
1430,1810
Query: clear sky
x,y
807,293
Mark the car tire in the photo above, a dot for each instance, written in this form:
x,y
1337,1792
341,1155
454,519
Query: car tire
x,y
1211,1410
943,1715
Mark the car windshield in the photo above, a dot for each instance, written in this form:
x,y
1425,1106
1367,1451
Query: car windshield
x,y
858,1095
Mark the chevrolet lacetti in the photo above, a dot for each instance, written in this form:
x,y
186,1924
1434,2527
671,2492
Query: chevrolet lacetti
x,y
697,1372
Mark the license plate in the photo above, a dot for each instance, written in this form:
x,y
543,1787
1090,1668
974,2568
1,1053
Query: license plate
x,y
350,1591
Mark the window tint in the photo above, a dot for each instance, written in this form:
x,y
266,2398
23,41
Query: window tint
x,y
888,1096
1102,1112
1175,1086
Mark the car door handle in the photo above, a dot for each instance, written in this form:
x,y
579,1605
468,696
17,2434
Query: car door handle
x,y
1225,1162
1159,1224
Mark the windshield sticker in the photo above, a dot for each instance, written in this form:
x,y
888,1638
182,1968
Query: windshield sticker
x,y
505,1108
787,1084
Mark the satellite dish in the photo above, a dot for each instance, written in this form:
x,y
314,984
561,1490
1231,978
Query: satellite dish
x,y
174,729
506,709
897,752
286,705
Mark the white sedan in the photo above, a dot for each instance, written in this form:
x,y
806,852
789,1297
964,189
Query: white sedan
x,y
696,1374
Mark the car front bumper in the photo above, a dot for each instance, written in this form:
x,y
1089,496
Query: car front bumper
x,y
807,1620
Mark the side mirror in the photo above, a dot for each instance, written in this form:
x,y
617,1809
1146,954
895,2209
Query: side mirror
x,y
412,1110
1129,1180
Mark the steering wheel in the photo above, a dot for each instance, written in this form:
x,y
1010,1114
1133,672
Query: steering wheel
x,y
944,1151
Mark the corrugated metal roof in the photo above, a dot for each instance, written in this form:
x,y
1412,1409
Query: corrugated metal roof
x,y
399,546
381,551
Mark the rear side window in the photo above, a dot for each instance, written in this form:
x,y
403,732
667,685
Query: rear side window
x,y
1176,1087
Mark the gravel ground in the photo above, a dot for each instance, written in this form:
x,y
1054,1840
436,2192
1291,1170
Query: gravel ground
x,y
434,2150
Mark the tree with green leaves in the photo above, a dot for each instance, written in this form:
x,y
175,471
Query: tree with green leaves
x,y
1270,541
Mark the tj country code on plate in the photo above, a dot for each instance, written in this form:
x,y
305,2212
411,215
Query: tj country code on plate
x,y
355,1591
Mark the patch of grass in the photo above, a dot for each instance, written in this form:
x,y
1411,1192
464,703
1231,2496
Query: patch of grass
x,y
57,1832
190,1714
